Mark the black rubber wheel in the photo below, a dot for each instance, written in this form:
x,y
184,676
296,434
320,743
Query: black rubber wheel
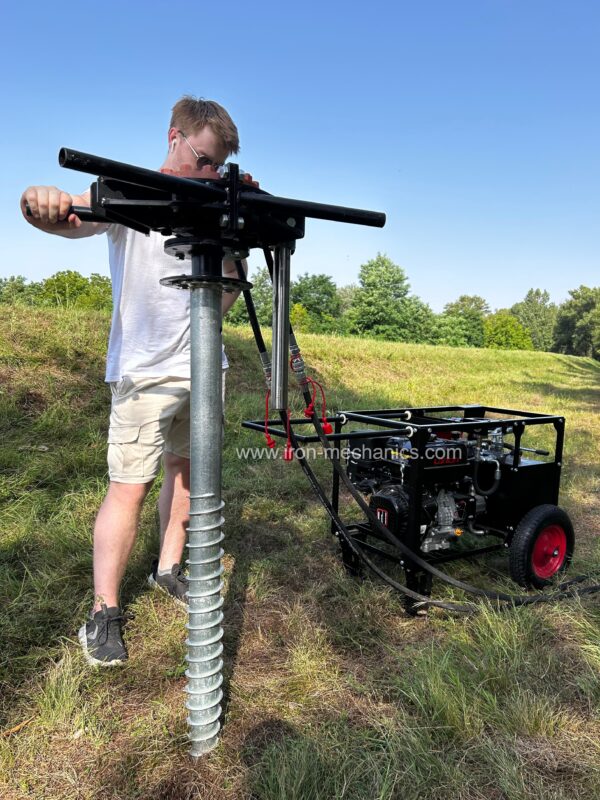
x,y
542,546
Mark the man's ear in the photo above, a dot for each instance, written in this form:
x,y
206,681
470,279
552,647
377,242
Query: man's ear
x,y
171,138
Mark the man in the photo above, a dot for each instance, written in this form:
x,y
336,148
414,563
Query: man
x,y
148,368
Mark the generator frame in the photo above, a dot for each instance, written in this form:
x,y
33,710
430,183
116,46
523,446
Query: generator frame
x,y
524,482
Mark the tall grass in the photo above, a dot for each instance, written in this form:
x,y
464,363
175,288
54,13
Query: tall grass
x,y
331,691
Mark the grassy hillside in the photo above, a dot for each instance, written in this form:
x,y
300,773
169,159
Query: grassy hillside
x,y
332,692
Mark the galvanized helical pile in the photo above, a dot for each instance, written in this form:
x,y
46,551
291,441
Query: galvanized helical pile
x,y
204,645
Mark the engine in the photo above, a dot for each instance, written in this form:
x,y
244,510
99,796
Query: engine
x,y
459,474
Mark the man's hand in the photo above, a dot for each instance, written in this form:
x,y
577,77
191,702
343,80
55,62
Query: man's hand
x,y
49,207
247,178
207,173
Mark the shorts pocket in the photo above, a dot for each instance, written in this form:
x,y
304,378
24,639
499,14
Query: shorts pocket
x,y
125,453
123,434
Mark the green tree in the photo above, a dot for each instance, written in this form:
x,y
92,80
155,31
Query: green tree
x,y
382,307
262,295
317,293
468,304
536,313
377,304
472,310
346,296
98,293
63,288
576,327
452,330
17,290
300,318
345,320
237,314
503,331
418,321
595,324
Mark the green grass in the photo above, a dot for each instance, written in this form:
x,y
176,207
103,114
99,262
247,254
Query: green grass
x,y
332,691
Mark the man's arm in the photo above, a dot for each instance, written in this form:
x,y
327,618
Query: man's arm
x,y
230,271
49,208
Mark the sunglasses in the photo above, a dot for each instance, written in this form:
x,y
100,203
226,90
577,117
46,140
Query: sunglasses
x,y
201,161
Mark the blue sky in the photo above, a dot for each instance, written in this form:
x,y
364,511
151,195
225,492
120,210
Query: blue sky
x,y
474,124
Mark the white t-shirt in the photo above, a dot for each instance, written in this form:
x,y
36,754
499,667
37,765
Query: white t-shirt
x,y
150,328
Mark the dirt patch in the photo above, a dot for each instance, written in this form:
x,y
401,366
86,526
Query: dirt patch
x,y
31,403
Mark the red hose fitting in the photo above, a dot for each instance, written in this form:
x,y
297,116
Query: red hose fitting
x,y
308,411
269,439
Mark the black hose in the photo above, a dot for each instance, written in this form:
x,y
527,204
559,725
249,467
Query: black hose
x,y
484,492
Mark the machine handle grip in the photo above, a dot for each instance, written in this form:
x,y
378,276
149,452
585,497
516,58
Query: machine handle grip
x,y
84,213
527,449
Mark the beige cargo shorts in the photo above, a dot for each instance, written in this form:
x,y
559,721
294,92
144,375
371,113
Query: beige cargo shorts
x,y
148,417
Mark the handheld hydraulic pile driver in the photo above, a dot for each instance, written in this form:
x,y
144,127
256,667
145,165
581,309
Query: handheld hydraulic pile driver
x,y
422,477
208,220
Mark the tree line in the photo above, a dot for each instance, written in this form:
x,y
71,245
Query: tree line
x,y
67,288
380,306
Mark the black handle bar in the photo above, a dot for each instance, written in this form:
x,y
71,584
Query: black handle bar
x,y
305,208
207,191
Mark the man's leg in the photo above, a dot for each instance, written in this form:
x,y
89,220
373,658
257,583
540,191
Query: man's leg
x,y
173,509
114,535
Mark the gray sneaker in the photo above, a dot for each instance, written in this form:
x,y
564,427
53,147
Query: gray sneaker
x,y
174,584
102,640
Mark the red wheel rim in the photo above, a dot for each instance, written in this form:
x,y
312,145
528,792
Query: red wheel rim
x,y
549,551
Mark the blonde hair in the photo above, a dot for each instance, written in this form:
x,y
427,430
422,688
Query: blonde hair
x,y
191,114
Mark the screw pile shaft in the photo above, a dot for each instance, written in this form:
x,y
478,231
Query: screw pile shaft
x,y
204,645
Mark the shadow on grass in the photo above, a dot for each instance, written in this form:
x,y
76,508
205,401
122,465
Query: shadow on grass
x,y
584,373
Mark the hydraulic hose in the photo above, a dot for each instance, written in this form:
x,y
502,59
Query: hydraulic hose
x,y
496,483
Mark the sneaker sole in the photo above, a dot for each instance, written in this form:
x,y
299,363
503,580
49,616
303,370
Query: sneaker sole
x,y
95,662
154,585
